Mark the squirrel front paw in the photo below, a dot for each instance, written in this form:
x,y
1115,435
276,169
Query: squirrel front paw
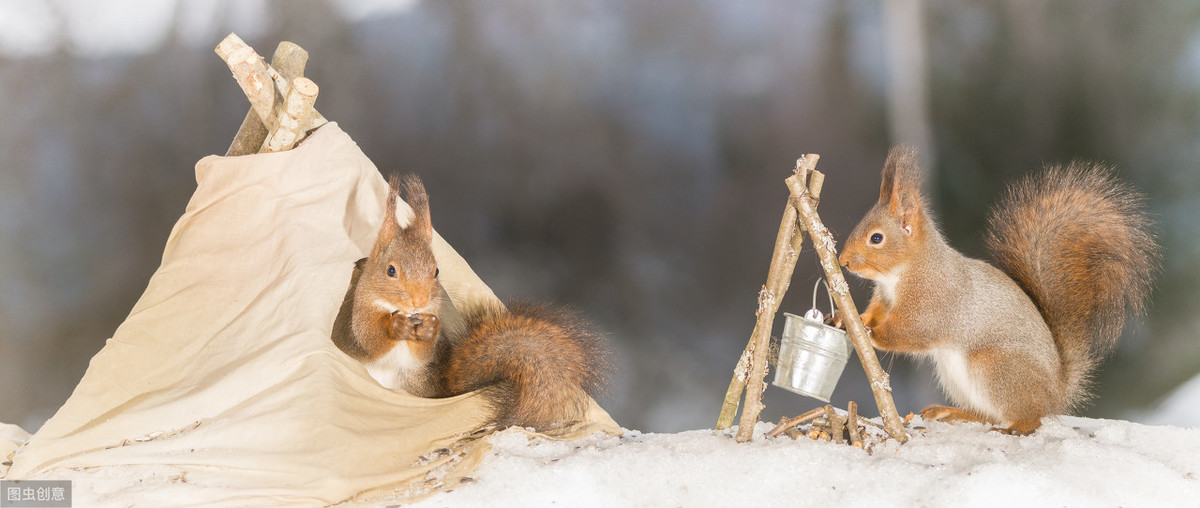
x,y
418,327
835,320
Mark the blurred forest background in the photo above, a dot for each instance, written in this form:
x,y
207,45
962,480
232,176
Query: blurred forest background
x,y
623,157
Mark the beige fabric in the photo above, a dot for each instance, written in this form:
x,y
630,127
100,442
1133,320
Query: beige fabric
x,y
11,438
223,386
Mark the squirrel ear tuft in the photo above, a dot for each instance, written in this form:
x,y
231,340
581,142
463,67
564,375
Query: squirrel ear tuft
x,y
393,193
388,229
900,189
390,226
415,196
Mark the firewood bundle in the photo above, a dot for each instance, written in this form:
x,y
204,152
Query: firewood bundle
x,y
281,98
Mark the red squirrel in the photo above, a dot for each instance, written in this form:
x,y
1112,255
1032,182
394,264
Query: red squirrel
x,y
1015,342
538,366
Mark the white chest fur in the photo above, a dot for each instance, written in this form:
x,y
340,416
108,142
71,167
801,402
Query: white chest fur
x,y
885,284
954,374
391,368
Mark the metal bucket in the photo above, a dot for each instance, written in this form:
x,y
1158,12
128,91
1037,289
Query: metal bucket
x,y
812,354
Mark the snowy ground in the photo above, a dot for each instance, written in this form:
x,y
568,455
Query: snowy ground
x,y
1180,407
1072,462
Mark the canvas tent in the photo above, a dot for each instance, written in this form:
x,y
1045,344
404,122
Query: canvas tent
x,y
223,386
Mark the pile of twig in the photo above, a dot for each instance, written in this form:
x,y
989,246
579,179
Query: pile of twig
x,y
828,424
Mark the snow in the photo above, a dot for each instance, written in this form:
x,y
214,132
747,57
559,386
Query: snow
x,y
1070,462
1180,407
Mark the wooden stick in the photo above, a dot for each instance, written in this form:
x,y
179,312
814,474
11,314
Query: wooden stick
x,y
837,424
852,424
792,236
249,137
790,423
290,126
263,85
282,83
826,249
289,59
252,75
863,420
779,276
789,235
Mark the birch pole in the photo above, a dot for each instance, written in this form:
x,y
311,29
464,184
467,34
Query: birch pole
x,y
250,72
267,88
823,243
289,60
293,120
752,365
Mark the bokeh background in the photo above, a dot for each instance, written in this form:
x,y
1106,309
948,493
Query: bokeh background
x,y
622,157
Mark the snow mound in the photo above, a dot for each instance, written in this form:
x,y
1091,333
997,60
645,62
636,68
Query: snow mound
x,y
1180,407
1068,462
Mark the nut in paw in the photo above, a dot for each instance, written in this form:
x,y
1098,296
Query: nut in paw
x,y
415,326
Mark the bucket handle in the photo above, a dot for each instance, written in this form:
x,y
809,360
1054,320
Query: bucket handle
x,y
814,313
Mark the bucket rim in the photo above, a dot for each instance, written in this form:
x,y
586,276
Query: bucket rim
x,y
845,337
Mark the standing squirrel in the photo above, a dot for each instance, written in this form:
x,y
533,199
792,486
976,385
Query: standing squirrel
x,y
537,366
1019,342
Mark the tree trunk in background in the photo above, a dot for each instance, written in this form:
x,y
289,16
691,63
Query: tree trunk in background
x,y
907,87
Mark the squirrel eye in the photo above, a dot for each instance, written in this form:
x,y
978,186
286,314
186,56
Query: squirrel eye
x,y
391,271
877,238
436,272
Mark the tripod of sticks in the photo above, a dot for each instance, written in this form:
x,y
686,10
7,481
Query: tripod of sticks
x,y
800,217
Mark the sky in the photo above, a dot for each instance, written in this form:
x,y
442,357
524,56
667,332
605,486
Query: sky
x,y
109,27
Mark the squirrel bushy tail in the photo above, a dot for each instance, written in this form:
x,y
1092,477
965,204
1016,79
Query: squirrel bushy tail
x,y
1080,244
537,365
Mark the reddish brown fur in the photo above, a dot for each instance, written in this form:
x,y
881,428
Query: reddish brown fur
x,y
1078,242
537,364
1022,385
